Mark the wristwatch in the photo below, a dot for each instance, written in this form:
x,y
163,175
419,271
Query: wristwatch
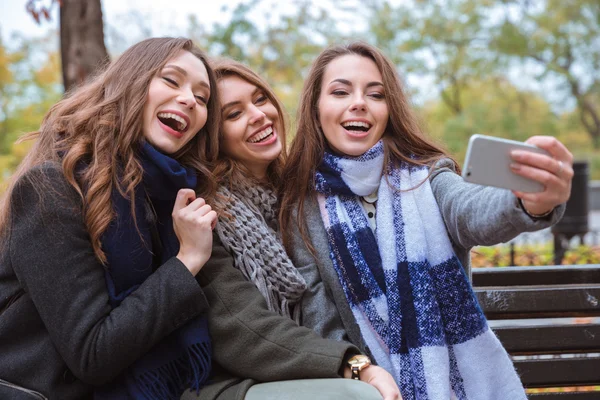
x,y
358,363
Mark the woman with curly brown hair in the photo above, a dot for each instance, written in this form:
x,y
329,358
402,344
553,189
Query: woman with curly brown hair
x,y
103,235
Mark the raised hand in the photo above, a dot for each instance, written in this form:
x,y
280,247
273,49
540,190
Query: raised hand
x,y
193,222
555,172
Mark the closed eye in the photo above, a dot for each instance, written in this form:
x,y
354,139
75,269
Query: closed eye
x,y
171,81
233,115
201,99
261,100
378,96
339,92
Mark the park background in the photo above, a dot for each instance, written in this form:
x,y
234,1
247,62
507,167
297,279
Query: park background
x,y
508,68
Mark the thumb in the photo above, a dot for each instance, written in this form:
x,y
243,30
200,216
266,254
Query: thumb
x,y
184,196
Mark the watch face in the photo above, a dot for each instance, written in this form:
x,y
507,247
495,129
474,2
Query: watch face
x,y
359,360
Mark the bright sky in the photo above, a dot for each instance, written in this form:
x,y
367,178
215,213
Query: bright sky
x,y
167,16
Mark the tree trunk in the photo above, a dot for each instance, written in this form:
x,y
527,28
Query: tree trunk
x,y
82,46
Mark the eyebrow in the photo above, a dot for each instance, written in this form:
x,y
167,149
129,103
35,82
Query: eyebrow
x,y
184,73
236,102
348,83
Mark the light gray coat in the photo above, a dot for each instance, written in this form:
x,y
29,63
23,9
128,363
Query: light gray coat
x,y
473,215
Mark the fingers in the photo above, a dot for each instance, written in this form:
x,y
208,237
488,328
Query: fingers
x,y
555,172
382,381
196,204
543,176
204,214
196,211
213,218
552,146
184,196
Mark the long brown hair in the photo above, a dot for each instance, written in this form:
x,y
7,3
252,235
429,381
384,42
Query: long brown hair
x,y
403,138
226,170
95,132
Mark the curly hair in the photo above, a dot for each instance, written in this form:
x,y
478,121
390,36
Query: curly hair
x,y
95,132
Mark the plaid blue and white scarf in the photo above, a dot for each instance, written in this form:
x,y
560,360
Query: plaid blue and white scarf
x,y
407,289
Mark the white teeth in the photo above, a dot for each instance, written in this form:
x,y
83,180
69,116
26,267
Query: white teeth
x,y
261,135
176,117
356,123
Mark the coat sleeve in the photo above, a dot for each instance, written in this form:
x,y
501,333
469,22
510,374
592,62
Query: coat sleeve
x,y
53,259
482,215
250,341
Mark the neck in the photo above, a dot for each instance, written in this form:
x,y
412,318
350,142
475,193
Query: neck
x,y
258,172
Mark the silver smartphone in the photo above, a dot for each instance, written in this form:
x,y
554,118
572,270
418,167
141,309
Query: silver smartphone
x,y
488,163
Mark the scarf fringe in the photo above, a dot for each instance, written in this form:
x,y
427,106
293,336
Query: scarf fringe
x,y
170,380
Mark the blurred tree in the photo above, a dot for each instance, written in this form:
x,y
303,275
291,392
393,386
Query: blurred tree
x,y
82,46
280,49
492,106
563,38
446,39
30,83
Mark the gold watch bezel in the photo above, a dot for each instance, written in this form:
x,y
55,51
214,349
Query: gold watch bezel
x,y
357,363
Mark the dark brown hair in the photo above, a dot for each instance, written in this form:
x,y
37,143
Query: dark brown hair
x,y
403,138
99,126
226,170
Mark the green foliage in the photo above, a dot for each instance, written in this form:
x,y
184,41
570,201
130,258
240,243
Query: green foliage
x,y
28,88
465,48
541,254
494,107
562,38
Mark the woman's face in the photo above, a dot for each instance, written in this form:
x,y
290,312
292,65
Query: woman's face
x,y
353,111
175,108
250,125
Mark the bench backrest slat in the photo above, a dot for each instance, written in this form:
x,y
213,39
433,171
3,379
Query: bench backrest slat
x,y
542,275
548,319
551,339
559,372
540,302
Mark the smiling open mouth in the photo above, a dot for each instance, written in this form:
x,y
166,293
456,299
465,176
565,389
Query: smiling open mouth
x,y
357,126
262,136
173,121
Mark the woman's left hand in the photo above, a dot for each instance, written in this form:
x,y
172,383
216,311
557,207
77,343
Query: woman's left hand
x,y
555,172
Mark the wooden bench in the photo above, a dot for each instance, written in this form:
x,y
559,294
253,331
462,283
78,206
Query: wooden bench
x,y
548,319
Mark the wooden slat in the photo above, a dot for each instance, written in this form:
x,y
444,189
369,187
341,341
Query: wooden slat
x,y
565,396
547,339
559,372
547,275
540,302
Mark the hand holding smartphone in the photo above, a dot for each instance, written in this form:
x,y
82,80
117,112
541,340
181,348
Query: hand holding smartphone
x,y
488,163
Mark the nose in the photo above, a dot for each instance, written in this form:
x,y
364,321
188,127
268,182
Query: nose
x,y
358,103
186,98
256,115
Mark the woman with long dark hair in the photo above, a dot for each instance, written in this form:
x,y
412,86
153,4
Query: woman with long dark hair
x,y
380,213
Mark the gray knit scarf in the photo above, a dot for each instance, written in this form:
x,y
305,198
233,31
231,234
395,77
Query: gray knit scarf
x,y
251,235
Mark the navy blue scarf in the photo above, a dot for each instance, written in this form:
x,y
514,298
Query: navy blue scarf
x,y
182,359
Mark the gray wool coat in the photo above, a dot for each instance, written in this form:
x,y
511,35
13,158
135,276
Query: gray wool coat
x,y
473,215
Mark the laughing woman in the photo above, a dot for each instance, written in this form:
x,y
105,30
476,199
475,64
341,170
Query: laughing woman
x,y
255,308
102,236
383,214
